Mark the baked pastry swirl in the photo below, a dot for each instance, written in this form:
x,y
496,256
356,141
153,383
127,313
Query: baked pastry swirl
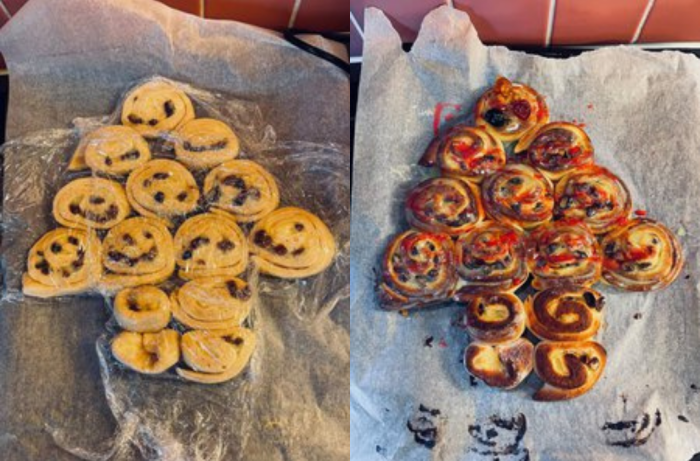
x,y
467,152
510,110
641,255
418,269
91,203
564,253
162,189
111,150
566,313
568,369
448,205
62,262
143,309
137,251
215,303
155,107
148,353
594,195
556,149
500,365
291,243
215,356
492,317
243,188
204,143
210,244
519,195
492,256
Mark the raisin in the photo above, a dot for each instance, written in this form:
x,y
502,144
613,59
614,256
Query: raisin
x,y
233,181
135,119
516,207
151,255
95,200
517,180
134,307
299,226
148,235
182,196
496,117
153,122
169,108
128,239
75,209
131,155
56,248
580,254
261,239
159,197
235,341
433,273
521,109
116,256
225,245
298,251
187,254
198,242
590,299
280,250
160,176
108,161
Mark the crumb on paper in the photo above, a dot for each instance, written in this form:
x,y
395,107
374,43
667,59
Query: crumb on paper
x,y
442,343
637,316
404,313
428,341
589,106
683,418
681,231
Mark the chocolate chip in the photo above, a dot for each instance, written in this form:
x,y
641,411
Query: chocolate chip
x,y
74,208
225,245
169,108
95,200
135,119
131,155
159,197
298,251
187,254
280,250
128,239
299,226
56,248
182,196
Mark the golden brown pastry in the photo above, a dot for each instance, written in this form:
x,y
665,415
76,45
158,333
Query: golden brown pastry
x,y
492,317
418,270
111,150
518,195
144,309
205,143
566,313
500,365
148,353
91,203
291,243
209,245
215,356
62,262
212,303
448,205
243,188
492,256
510,110
156,107
568,369
641,255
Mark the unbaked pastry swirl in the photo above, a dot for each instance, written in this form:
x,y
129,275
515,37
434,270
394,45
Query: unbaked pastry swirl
x,y
291,243
162,189
215,356
448,205
148,353
137,251
204,143
594,195
556,149
111,150
156,107
210,244
467,152
566,313
143,309
418,269
243,188
214,303
510,110
641,255
91,203
492,317
568,369
492,256
62,262
519,195
564,253
503,366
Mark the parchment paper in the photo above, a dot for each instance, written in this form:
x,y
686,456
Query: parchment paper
x,y
74,58
642,111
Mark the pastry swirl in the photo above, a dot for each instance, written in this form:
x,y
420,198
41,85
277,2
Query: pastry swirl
x,y
215,356
209,245
510,110
492,317
565,313
564,253
162,189
91,203
518,195
148,353
243,188
155,107
137,251
444,205
205,143
556,149
492,256
144,309
418,269
503,366
62,262
215,303
111,150
291,243
641,255
568,369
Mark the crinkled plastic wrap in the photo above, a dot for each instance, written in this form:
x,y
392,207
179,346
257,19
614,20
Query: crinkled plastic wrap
x,y
163,416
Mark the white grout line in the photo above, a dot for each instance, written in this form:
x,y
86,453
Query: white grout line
x,y
357,26
201,8
295,12
550,22
450,3
355,59
5,10
642,21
